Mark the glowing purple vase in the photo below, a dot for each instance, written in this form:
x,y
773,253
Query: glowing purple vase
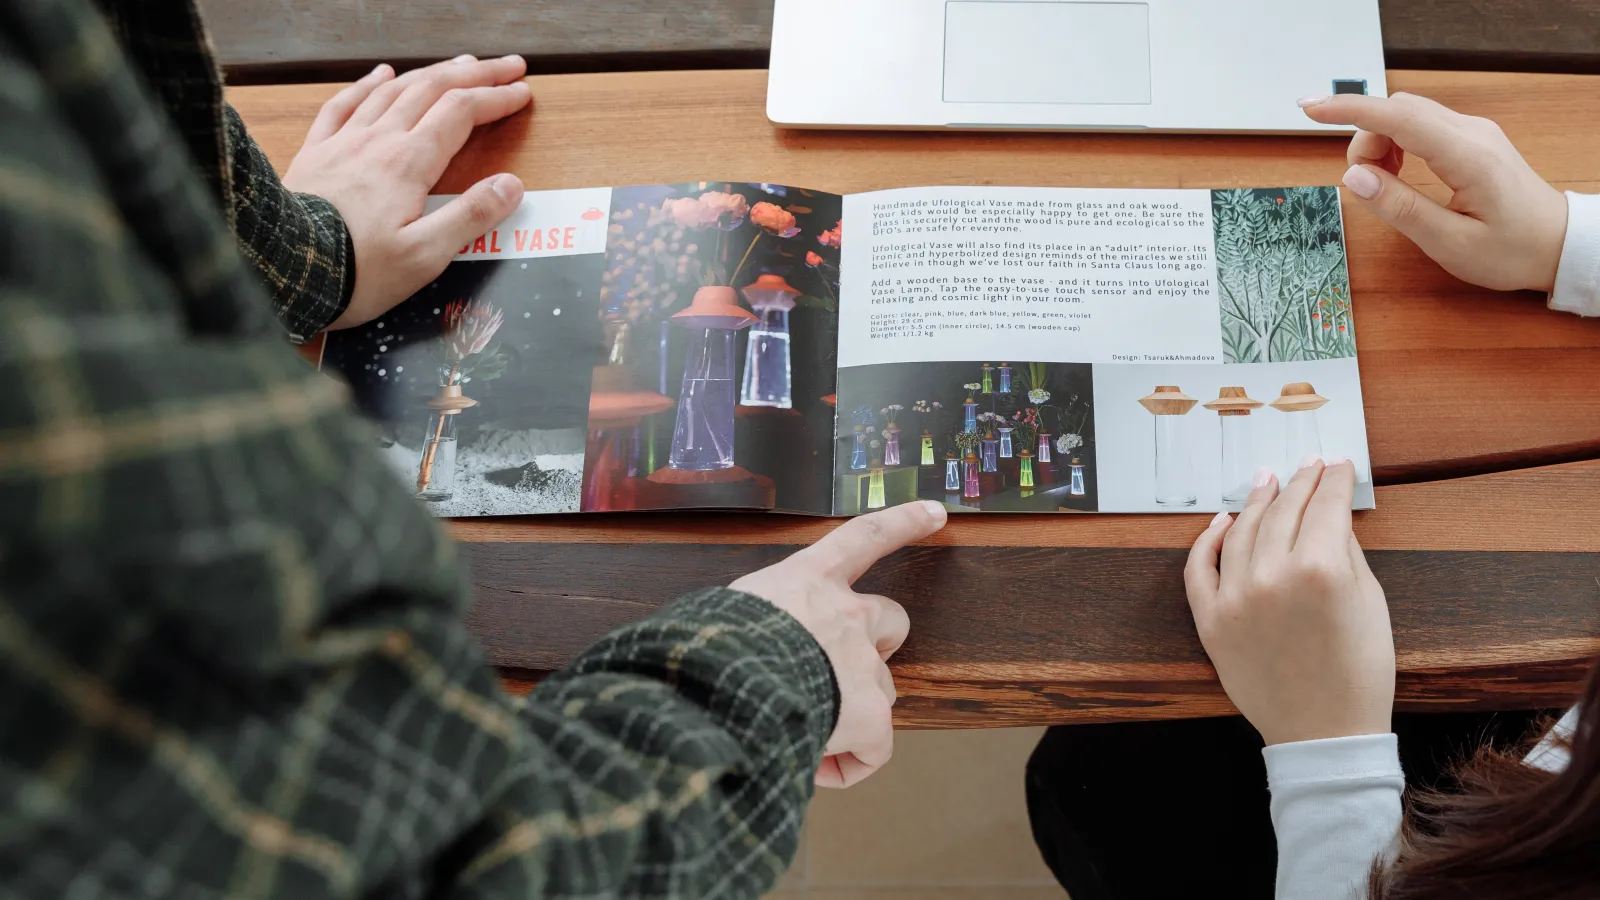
x,y
702,439
891,446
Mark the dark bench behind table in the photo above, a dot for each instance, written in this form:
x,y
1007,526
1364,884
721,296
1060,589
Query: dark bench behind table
x,y
270,41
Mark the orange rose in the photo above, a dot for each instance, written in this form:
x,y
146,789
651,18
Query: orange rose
x,y
812,259
773,218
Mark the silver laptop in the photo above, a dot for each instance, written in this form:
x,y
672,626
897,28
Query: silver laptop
x,y
1089,65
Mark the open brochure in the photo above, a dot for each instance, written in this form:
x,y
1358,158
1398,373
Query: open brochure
x,y
997,349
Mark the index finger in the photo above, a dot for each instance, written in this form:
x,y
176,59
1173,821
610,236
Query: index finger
x,y
1327,522
1417,124
851,549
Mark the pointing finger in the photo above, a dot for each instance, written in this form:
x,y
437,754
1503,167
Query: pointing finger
x,y
851,549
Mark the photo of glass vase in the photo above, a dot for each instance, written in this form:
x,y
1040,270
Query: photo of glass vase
x,y
952,474
1025,462
970,486
927,448
436,469
991,450
1174,468
702,437
766,360
1078,486
969,411
891,445
1006,451
875,490
1005,378
988,378
1043,453
1302,439
1233,407
858,450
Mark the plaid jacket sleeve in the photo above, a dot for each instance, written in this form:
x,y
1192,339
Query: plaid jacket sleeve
x,y
298,243
232,661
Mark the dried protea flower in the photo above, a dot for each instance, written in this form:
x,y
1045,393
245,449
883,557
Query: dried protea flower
x,y
468,328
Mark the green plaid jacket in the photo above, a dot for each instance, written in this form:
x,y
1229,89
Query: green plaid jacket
x,y
232,661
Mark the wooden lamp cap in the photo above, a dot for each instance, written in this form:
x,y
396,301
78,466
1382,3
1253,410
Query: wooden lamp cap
x,y
1298,396
1168,400
1076,461
450,400
1024,453
1233,401
714,306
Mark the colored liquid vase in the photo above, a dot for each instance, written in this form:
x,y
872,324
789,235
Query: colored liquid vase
x,y
991,452
858,451
971,488
891,447
1078,486
1025,462
1005,444
875,490
1005,379
927,449
952,475
1043,454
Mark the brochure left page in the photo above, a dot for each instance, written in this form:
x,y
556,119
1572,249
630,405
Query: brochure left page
x,y
668,346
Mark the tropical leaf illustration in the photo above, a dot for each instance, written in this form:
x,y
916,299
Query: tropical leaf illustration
x,y
1284,284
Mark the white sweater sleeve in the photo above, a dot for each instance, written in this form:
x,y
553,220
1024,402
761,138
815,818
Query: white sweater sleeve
x,y
1336,809
1577,287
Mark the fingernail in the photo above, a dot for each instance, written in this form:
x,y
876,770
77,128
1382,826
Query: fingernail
x,y
1337,461
1313,100
935,511
1218,519
465,58
1310,459
1263,477
509,57
1361,181
379,69
507,186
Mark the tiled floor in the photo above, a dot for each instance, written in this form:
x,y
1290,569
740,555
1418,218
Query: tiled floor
x,y
945,820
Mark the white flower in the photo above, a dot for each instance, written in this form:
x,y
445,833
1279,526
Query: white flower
x,y
1067,442
1038,395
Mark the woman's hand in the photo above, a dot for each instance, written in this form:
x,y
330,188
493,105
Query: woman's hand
x,y
1504,226
1294,621
858,632
379,146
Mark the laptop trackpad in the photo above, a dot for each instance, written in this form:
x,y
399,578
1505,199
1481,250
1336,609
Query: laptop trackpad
x,y
1000,51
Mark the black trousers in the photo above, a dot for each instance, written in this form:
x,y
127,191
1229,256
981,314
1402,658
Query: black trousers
x,y
1179,809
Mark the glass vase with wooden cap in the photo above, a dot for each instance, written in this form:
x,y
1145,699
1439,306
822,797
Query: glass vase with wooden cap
x,y
1005,378
952,473
1174,468
971,487
767,358
436,473
1299,402
988,378
969,414
1025,469
1043,453
927,447
1233,408
1079,488
991,450
702,438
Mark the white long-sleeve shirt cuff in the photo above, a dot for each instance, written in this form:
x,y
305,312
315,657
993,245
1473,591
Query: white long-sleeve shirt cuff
x,y
1577,288
1336,810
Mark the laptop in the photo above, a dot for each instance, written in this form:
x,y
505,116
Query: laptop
x,y
1084,65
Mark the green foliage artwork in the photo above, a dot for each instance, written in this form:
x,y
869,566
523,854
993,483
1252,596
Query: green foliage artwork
x,y
1285,289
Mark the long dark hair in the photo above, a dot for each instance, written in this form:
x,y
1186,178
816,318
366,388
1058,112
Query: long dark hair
x,y
1507,830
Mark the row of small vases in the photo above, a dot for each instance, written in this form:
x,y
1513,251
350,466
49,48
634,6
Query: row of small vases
x,y
1174,468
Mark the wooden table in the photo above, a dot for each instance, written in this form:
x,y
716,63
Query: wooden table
x,y
294,40
1483,413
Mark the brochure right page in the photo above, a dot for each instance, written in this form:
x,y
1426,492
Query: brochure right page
x,y
1081,350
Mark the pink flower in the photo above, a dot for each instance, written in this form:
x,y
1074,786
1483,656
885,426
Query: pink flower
x,y
688,212
725,210
833,237
812,259
468,328
774,219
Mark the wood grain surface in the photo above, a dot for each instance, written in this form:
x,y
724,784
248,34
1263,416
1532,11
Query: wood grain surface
x,y
283,40
1493,578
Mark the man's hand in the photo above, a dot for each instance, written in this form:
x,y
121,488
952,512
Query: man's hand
x,y
1503,227
1294,621
378,147
858,632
